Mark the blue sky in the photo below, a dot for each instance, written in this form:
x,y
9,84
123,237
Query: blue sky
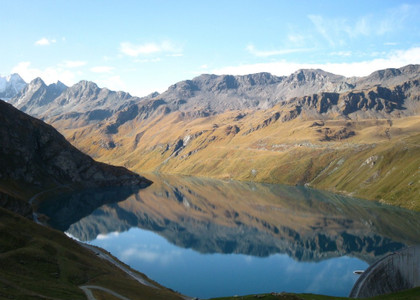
x,y
144,46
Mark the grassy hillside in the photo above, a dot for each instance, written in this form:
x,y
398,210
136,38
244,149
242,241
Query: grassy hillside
x,y
375,159
37,262
412,294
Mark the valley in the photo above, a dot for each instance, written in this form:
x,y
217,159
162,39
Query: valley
x,y
356,136
186,150
314,130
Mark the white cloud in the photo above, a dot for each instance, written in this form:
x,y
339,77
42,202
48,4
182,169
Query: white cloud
x,y
146,60
44,42
175,55
133,50
259,53
342,53
73,63
101,69
108,235
114,83
393,59
337,31
296,39
322,28
155,255
49,74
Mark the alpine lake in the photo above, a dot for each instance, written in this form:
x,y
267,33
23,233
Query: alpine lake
x,y
210,238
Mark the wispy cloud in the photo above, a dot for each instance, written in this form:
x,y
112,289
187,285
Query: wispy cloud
x,y
296,39
148,60
101,69
393,59
73,63
49,75
322,28
45,42
340,30
266,53
134,50
342,53
114,83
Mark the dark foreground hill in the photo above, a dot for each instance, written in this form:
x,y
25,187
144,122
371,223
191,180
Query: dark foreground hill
x,y
34,158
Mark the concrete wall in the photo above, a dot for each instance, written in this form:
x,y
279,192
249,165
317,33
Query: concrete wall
x,y
395,272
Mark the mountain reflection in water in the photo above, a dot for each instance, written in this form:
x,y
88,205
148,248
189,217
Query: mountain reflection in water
x,y
214,216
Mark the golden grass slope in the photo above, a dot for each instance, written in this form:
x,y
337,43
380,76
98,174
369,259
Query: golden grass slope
x,y
37,262
376,159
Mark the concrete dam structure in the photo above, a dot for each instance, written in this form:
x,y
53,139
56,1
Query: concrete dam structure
x,y
395,272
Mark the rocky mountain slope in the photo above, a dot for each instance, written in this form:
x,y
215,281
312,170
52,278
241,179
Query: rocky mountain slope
x,y
79,104
312,127
36,95
34,157
10,86
211,94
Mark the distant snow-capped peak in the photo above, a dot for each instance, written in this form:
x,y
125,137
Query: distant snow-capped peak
x,y
10,86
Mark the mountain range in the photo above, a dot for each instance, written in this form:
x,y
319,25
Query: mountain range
x,y
358,136
355,135
213,94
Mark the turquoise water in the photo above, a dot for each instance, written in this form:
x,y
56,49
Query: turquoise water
x,y
214,275
209,238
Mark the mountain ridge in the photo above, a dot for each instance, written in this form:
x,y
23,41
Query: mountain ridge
x,y
218,92
311,127
36,95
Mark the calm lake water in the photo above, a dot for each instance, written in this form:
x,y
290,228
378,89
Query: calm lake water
x,y
208,238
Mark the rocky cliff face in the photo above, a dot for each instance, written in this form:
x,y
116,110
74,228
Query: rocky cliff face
x,y
34,98
207,95
315,91
34,154
216,94
81,103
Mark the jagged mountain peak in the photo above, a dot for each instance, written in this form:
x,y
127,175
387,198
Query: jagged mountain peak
x,y
11,85
15,77
153,95
393,72
37,81
36,96
385,74
390,76
60,85
410,69
85,84
310,75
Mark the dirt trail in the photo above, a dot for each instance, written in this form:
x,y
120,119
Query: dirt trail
x,y
87,289
103,255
